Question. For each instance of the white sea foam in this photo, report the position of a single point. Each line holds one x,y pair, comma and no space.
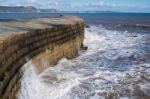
113,67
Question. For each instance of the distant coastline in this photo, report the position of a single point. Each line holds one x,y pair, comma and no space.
22,9
31,9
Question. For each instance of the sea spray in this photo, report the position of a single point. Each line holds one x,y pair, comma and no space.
115,66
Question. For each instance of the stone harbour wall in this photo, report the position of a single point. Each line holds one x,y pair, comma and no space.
58,38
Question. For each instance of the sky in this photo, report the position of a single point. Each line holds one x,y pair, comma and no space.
84,5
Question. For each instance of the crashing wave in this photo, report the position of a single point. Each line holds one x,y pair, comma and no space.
142,26
113,67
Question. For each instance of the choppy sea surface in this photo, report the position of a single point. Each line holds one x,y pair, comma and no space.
115,66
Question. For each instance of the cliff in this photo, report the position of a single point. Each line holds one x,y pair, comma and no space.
18,9
22,9
47,39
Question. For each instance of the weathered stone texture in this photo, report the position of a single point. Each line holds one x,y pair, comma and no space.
43,38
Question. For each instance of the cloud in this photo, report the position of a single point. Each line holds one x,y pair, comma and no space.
32,1
54,5
71,5
98,5
35,3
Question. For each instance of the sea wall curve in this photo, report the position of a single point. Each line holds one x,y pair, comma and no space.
61,37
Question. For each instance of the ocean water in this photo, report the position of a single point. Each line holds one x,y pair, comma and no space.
115,66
